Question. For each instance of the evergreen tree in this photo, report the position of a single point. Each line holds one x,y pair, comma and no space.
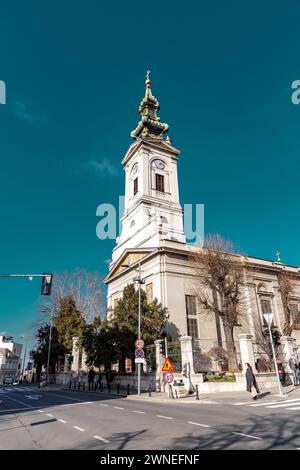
68,321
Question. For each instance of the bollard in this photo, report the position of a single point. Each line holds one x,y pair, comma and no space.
79,384
83,386
118,389
128,389
70,383
74,384
176,394
101,387
108,387
197,393
149,391
171,392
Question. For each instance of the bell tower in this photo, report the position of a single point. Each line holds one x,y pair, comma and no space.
152,208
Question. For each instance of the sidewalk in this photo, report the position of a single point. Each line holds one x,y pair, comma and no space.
204,398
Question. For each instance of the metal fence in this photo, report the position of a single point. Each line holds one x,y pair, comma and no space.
174,354
212,355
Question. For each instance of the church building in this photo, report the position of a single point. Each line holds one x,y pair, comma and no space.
153,241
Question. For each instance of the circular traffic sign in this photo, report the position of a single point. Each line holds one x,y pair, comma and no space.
139,353
169,377
139,344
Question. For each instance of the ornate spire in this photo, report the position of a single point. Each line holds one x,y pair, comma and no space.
150,126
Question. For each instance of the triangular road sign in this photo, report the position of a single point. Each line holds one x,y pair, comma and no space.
168,366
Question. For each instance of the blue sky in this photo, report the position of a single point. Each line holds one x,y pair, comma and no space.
75,72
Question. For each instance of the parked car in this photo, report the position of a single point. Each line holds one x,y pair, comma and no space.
8,380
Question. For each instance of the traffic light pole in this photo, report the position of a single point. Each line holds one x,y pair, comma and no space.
49,348
275,361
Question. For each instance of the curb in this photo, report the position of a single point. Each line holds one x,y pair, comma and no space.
96,393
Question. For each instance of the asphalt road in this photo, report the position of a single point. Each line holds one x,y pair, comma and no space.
32,418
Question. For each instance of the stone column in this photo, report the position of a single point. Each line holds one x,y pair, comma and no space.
159,364
75,354
246,349
66,363
84,367
187,356
287,346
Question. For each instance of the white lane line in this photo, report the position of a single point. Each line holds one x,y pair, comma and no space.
282,405
266,403
241,403
103,404
246,435
118,408
78,428
75,404
62,421
137,411
198,424
18,409
48,414
294,408
41,411
101,439
165,417
18,401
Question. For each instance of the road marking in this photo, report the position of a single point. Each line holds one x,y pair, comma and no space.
118,408
17,409
136,411
41,411
18,401
82,403
48,414
241,403
198,424
165,417
275,402
103,404
62,421
78,428
101,439
246,435
294,408
282,405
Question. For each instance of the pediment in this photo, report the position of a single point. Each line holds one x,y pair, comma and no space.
129,257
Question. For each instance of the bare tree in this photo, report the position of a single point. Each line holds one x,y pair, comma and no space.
84,287
220,280
285,289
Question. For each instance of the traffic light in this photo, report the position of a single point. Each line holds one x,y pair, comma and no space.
162,348
46,284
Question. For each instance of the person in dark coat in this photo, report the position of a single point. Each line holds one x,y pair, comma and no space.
91,377
252,386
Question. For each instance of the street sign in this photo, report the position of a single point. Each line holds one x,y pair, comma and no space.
139,344
139,353
168,366
139,360
169,377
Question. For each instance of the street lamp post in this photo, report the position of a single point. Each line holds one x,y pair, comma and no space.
49,348
269,318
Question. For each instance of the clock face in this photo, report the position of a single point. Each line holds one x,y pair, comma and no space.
159,164
135,168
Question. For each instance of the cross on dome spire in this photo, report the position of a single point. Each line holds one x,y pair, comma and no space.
150,126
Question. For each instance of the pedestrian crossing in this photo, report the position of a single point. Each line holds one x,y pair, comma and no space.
292,404
14,389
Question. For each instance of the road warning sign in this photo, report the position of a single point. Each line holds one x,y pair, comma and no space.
168,366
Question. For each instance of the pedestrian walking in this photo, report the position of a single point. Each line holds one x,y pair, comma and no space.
91,377
293,364
282,374
251,383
